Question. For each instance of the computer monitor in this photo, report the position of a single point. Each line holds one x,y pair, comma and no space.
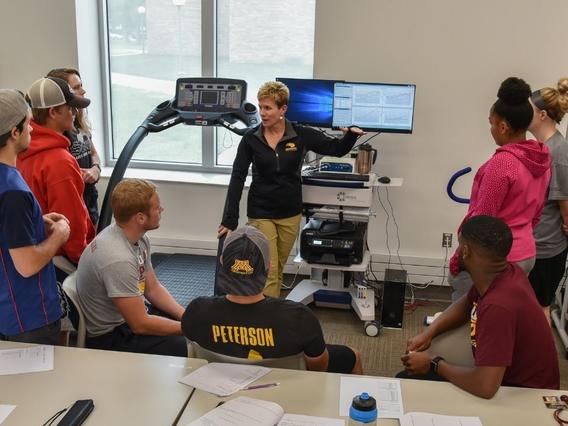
311,101
375,107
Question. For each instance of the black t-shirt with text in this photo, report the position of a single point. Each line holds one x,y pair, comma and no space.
271,328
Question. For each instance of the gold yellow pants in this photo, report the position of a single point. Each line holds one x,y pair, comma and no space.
281,234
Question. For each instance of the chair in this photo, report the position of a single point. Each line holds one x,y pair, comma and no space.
70,289
292,362
61,262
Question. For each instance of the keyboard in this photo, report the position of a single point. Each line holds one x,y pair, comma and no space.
316,174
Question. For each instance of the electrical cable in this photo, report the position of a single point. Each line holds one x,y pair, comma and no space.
54,417
370,268
231,141
444,267
408,281
291,286
411,295
386,226
396,227
557,417
556,414
181,411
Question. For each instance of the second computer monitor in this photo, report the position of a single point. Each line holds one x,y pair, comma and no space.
376,107
311,101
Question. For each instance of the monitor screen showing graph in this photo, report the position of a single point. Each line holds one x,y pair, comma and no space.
375,107
311,101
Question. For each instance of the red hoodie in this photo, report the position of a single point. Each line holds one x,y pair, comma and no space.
54,177
512,186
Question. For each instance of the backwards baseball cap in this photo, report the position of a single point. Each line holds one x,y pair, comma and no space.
13,109
246,258
52,91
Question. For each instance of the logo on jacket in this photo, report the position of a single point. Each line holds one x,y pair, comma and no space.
291,147
242,267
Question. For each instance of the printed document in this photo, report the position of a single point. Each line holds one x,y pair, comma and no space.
386,391
26,360
224,379
242,411
245,411
301,420
427,419
5,411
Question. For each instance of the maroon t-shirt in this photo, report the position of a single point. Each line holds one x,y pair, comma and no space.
508,328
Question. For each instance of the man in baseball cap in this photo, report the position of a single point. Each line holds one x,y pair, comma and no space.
245,262
247,324
51,92
49,168
29,299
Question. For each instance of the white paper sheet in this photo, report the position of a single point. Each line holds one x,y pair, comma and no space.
5,411
385,391
26,360
224,379
300,420
427,419
242,411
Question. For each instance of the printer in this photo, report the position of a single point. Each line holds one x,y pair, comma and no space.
332,242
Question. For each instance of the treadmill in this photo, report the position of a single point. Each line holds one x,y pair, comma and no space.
201,101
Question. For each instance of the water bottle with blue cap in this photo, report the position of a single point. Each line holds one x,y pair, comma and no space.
363,411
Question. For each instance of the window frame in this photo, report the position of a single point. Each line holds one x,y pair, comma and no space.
208,69
209,142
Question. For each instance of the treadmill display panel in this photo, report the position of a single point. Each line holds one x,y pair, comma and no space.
203,96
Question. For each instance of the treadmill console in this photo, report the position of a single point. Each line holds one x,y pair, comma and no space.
208,101
214,95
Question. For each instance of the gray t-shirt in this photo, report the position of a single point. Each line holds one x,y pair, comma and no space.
110,267
548,234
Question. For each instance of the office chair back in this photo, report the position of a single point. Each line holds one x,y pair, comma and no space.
292,362
70,289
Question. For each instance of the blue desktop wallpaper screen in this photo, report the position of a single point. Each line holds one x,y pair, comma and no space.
311,101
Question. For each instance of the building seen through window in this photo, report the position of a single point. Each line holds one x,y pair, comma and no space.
151,43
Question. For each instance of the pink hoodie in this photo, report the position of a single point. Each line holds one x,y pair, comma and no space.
512,185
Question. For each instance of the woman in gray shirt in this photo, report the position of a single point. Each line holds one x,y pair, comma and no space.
550,105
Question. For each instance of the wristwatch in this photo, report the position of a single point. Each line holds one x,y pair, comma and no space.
434,364
97,165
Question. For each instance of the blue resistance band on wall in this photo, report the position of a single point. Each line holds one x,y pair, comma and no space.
451,182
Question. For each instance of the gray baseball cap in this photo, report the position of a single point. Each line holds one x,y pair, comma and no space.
246,260
52,91
13,109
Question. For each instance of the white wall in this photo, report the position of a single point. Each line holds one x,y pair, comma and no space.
456,53
36,36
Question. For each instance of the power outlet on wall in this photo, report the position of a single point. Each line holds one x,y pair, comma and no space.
447,239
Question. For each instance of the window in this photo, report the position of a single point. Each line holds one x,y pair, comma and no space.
153,42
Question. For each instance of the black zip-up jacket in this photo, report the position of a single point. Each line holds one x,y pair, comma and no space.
276,188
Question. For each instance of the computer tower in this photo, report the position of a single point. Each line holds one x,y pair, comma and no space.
394,288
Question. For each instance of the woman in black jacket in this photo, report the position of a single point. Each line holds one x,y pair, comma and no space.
276,149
